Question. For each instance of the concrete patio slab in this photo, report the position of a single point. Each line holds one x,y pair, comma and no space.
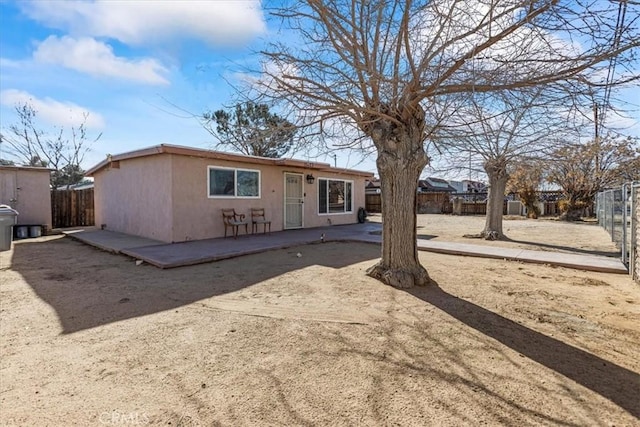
110,241
173,255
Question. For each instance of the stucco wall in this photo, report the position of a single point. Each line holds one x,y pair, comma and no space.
135,198
313,219
197,216
27,191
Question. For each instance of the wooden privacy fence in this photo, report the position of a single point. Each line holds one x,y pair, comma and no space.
441,203
72,208
373,203
432,203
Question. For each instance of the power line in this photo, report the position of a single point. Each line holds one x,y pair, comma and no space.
622,10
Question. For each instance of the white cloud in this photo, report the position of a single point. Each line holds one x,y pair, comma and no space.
9,63
622,123
222,23
54,112
96,58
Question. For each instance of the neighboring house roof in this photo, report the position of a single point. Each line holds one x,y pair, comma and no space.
372,186
78,186
438,182
372,183
435,185
218,155
457,185
475,186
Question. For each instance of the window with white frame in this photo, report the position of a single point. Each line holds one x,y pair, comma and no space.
335,196
228,182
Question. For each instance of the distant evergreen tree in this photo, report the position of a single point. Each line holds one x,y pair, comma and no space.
251,129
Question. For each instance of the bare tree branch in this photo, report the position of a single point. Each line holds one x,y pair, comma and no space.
30,145
396,70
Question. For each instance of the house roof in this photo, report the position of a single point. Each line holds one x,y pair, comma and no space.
219,155
436,185
438,182
78,186
372,183
475,185
25,168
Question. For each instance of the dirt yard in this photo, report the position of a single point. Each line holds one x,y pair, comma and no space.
90,339
542,234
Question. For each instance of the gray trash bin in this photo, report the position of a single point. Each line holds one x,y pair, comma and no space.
8,217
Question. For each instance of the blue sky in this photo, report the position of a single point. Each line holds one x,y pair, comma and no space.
126,63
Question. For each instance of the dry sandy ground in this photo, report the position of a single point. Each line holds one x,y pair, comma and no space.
543,234
89,338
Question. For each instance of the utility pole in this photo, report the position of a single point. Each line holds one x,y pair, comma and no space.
597,139
595,119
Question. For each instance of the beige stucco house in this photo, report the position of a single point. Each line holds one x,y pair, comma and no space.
175,194
27,190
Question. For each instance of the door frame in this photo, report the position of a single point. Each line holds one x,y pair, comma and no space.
284,213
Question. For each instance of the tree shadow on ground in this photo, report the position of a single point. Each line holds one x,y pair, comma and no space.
612,254
418,235
616,383
113,288
425,236
421,370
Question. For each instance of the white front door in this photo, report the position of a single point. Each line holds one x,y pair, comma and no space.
293,201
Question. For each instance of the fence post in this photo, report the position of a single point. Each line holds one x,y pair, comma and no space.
613,215
625,261
599,209
605,210
634,256
628,200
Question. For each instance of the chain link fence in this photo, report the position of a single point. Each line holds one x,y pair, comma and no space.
618,211
634,238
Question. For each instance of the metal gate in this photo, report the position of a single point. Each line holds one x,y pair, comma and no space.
634,235
617,213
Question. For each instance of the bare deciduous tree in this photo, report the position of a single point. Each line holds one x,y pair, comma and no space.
392,69
499,130
582,170
29,144
525,179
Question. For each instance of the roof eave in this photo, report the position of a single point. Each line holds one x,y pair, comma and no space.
31,168
187,151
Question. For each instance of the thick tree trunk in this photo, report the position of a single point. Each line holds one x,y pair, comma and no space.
398,133
573,212
532,210
498,177
399,266
530,199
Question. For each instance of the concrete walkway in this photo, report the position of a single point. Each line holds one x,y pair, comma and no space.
561,259
172,255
